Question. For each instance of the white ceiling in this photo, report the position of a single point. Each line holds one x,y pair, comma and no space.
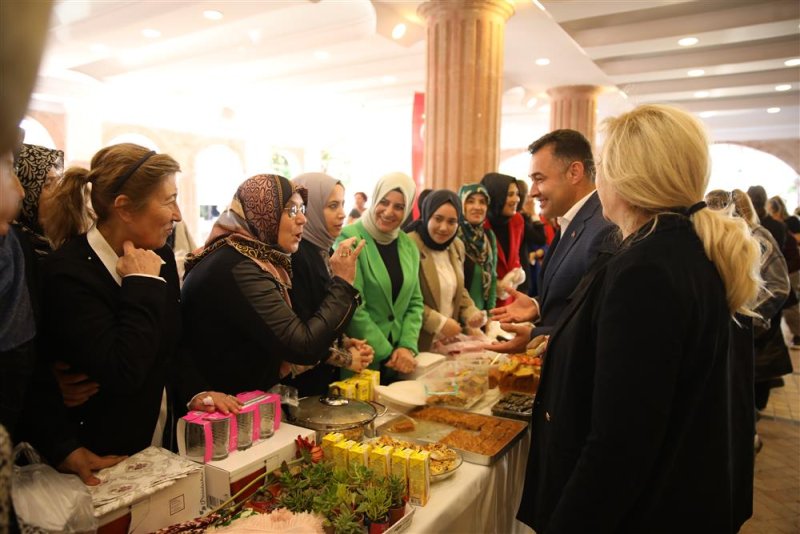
304,61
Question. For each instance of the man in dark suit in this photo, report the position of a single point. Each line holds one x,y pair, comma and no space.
562,171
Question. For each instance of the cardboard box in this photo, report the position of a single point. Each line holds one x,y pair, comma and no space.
182,501
419,475
380,461
358,454
343,388
400,464
374,378
363,388
340,454
226,477
328,442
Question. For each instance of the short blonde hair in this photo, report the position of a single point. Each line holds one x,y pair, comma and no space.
656,159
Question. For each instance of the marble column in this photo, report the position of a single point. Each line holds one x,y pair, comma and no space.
574,107
464,88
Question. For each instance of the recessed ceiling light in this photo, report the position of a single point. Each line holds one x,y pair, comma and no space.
542,61
545,109
322,55
688,41
773,110
212,14
792,62
696,72
701,94
783,87
398,31
388,79
151,33
531,102
98,48
707,114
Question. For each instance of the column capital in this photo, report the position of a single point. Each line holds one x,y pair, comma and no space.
437,8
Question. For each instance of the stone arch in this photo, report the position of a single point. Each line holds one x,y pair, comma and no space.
787,150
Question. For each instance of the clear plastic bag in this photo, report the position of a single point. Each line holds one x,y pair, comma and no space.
46,500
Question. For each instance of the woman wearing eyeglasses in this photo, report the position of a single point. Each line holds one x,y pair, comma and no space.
390,318
240,328
111,298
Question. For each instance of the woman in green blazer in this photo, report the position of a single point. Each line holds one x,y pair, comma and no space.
390,316
448,305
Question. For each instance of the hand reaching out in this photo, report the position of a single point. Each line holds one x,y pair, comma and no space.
521,309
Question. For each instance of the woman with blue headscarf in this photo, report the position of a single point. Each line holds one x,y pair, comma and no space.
480,246
447,304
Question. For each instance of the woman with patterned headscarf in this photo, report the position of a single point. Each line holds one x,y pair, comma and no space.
480,245
390,317
311,277
239,323
38,169
447,302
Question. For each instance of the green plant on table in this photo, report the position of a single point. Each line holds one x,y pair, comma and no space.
361,476
297,500
397,490
325,502
375,503
346,522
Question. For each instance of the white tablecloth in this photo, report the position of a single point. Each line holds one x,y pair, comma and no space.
478,499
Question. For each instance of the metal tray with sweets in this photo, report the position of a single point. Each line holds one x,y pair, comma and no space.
515,405
409,428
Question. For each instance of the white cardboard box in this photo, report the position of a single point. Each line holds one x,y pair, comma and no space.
182,501
225,477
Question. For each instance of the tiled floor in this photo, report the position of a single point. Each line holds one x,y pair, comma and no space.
776,506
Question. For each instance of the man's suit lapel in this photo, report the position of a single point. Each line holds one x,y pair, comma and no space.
568,240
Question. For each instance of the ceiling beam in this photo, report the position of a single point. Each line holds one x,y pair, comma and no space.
766,49
678,20
744,79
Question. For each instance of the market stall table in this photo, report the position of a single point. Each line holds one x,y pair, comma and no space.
478,499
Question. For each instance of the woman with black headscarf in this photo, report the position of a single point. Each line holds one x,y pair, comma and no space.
240,327
509,228
447,304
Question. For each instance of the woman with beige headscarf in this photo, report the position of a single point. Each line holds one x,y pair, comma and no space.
390,316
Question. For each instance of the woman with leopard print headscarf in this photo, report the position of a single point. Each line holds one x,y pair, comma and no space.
239,326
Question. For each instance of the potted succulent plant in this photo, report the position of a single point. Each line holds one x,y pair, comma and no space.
397,493
346,522
325,503
375,506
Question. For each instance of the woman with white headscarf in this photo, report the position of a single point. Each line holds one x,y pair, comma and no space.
390,316
311,277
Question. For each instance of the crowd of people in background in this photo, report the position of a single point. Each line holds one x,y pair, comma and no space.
655,305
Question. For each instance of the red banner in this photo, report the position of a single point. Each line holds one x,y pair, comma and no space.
418,145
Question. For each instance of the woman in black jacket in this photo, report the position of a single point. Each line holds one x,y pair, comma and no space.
311,276
637,424
240,327
111,299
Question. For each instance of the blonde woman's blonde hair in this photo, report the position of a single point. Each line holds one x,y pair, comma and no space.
656,159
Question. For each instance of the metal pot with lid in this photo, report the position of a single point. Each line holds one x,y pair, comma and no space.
353,418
